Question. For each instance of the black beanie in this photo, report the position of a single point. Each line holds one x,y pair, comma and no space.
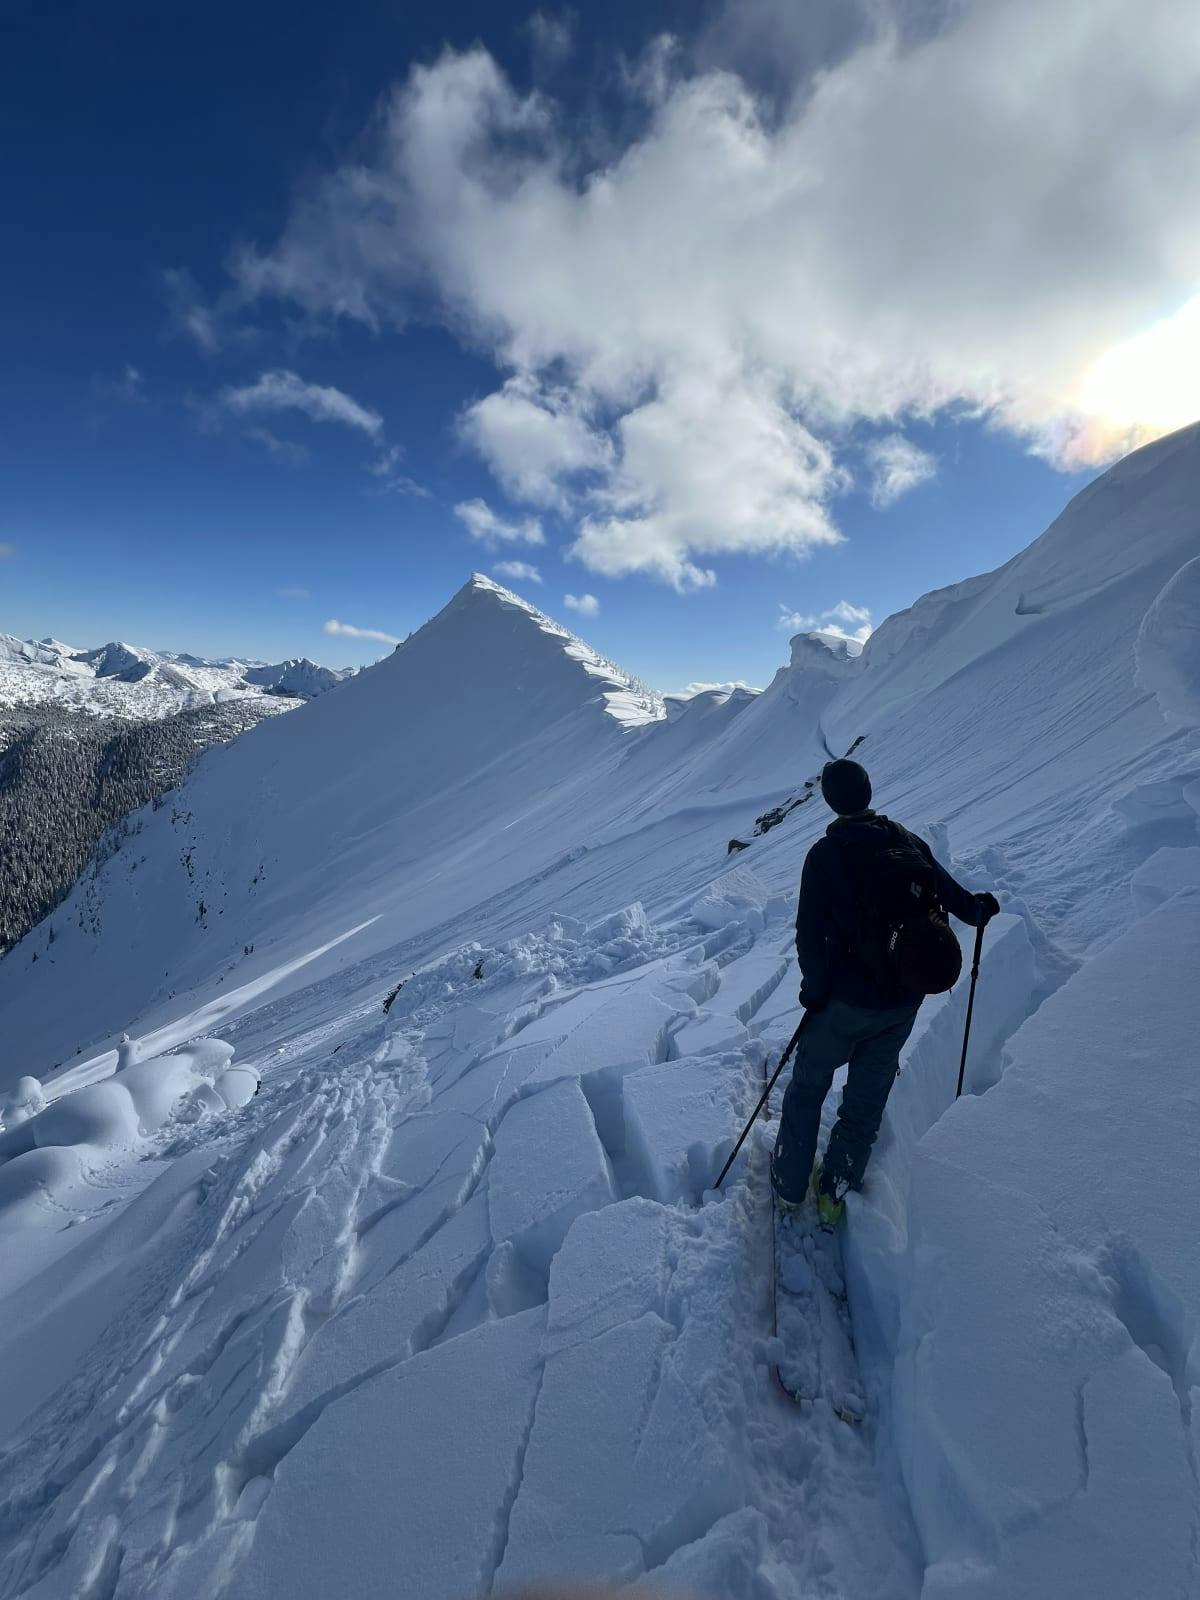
846,787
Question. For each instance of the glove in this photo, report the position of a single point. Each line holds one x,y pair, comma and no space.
988,908
812,1001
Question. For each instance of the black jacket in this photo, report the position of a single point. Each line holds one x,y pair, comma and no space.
828,913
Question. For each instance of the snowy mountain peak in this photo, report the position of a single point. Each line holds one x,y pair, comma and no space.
627,699
126,662
298,677
484,585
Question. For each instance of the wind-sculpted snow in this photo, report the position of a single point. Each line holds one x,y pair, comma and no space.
1168,647
449,1305
1046,1354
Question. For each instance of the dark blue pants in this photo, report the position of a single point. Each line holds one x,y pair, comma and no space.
871,1042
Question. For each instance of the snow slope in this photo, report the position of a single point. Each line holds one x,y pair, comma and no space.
449,1306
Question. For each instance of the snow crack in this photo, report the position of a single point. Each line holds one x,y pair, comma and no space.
503,1523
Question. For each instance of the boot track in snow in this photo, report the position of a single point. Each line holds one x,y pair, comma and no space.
813,1356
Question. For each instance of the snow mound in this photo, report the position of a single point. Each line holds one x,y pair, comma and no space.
43,1147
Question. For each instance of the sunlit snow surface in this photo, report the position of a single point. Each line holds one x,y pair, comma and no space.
120,680
448,1306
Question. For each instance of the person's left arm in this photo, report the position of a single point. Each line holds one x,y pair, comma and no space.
973,909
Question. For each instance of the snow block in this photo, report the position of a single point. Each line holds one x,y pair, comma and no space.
709,1033
598,1035
630,1455
681,1119
614,1267
1166,871
397,1318
748,982
1048,1336
582,1521
549,1168
598,1030
402,1486
736,896
623,1465
877,1268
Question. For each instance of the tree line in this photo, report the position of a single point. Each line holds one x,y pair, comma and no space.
67,777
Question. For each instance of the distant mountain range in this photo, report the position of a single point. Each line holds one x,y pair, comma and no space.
120,679
87,736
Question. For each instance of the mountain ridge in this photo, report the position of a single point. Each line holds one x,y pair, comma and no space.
482,754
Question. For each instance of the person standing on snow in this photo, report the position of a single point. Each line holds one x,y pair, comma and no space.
873,941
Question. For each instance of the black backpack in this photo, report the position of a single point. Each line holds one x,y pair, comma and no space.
902,936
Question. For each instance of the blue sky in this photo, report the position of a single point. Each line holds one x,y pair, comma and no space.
306,318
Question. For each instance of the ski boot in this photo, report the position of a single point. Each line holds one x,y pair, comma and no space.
784,1206
831,1207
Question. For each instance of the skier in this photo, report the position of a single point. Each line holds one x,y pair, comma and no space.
873,941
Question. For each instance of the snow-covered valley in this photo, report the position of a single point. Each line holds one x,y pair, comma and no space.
449,1305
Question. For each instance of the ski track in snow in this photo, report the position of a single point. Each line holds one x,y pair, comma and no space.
338,1234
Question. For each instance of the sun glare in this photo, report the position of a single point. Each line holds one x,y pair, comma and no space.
1150,383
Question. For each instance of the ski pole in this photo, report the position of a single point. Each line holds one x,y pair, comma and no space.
962,1065
766,1094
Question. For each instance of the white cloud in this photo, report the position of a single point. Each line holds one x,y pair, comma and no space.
897,465
691,323
843,621
534,439
347,630
280,449
7,551
518,571
708,473
284,391
293,592
586,604
489,528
